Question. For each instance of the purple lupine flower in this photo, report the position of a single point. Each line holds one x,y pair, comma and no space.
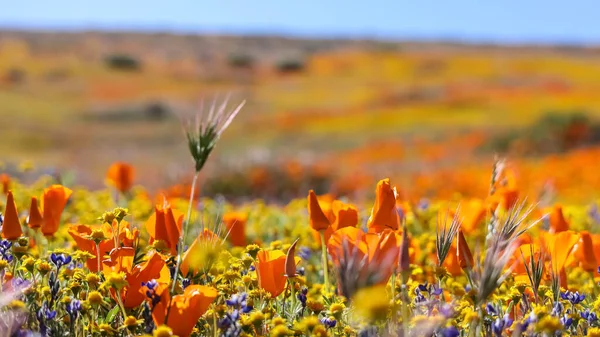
151,292
589,316
423,204
500,324
566,321
449,332
573,297
328,322
301,296
304,253
60,260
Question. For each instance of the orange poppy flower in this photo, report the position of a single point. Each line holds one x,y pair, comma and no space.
121,261
5,179
82,235
583,253
560,246
270,269
384,213
344,215
120,175
54,201
557,220
596,245
318,219
235,222
186,309
471,215
35,219
11,229
165,225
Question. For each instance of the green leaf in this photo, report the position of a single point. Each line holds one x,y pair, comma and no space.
112,314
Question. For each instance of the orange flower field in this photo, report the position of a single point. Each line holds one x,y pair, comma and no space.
504,248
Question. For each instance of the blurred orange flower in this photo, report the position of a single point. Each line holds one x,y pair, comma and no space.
121,175
583,253
557,220
54,201
5,180
11,228
560,246
235,222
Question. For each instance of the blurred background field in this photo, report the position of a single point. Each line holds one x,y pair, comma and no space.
330,114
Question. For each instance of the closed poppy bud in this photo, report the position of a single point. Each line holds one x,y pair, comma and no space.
318,220
11,229
384,213
465,258
5,179
35,217
558,223
55,199
120,175
290,263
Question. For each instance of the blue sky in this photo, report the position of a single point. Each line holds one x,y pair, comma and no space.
484,20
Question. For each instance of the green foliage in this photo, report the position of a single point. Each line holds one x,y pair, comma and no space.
123,62
291,65
554,132
154,112
241,61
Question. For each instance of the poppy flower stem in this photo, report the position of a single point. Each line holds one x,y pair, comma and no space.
394,310
595,289
215,330
324,260
293,295
405,299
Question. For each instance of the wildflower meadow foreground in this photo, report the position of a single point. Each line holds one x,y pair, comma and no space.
121,262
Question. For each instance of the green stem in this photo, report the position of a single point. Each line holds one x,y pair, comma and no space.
189,210
215,331
184,232
120,301
293,294
405,299
394,310
324,261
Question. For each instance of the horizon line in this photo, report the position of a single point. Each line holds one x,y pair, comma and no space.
288,32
